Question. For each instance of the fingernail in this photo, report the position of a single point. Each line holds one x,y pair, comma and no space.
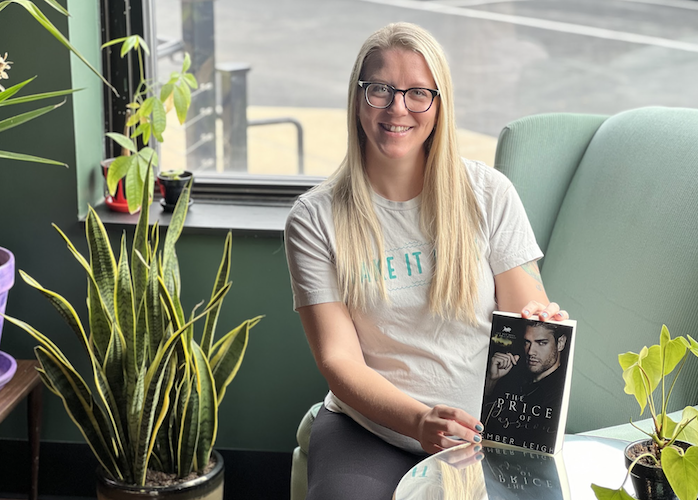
479,456
479,428
477,438
525,312
543,315
477,448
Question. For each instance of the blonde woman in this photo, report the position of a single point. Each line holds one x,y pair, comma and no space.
397,262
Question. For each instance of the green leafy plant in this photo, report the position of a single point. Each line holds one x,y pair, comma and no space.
147,116
647,374
7,95
155,392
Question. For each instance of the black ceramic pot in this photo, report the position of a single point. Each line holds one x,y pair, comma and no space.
171,189
649,482
206,487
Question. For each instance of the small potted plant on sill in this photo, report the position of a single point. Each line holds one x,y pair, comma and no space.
665,465
147,117
151,418
172,183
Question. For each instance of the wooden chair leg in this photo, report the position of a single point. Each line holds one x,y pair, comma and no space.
34,420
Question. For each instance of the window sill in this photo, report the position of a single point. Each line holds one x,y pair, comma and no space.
241,217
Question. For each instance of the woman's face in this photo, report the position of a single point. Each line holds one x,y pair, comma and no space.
395,133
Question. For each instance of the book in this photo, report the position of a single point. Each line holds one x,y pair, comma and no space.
527,382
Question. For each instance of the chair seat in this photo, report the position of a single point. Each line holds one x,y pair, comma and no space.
299,464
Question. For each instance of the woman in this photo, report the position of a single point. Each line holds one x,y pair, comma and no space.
397,262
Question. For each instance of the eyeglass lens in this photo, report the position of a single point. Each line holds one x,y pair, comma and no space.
381,96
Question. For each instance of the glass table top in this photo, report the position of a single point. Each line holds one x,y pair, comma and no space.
509,474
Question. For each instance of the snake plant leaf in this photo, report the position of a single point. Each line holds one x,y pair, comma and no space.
36,97
135,400
226,356
153,314
48,26
35,159
609,494
672,350
116,435
169,304
41,338
158,382
102,261
139,249
681,469
189,430
208,406
113,368
64,308
17,120
169,256
99,319
221,280
125,309
86,415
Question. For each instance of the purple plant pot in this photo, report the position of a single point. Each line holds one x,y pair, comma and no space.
8,367
7,279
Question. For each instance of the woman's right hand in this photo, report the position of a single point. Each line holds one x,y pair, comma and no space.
443,427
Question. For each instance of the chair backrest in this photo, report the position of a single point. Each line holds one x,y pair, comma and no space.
614,204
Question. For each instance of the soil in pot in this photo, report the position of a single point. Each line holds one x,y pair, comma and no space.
649,480
207,485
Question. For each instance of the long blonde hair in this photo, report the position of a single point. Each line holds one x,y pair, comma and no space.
450,216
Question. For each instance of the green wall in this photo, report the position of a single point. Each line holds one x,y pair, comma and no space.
278,380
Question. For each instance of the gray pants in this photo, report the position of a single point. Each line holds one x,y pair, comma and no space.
347,462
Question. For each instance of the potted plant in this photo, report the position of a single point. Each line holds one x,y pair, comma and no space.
147,116
665,465
172,183
152,416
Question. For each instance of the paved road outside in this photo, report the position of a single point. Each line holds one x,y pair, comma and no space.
508,58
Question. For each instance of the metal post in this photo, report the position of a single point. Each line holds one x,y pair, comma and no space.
198,36
233,98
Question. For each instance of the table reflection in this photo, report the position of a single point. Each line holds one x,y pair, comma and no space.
501,473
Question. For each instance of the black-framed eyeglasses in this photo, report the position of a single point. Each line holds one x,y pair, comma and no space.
382,95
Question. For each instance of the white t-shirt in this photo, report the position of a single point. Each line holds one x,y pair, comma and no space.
433,360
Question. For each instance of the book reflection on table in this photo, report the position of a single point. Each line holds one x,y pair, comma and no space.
522,475
503,473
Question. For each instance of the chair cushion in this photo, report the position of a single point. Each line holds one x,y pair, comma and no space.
303,433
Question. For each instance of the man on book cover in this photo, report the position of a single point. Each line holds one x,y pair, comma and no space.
525,383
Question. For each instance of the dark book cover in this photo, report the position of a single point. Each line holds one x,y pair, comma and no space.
527,382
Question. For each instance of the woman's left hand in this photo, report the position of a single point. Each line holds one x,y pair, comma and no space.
550,312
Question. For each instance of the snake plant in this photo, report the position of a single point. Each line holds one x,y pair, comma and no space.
154,390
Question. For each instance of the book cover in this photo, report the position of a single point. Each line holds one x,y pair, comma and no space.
527,382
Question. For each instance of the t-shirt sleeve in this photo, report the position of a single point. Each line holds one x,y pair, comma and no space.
512,242
310,258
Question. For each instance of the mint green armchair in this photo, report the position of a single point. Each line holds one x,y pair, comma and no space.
614,205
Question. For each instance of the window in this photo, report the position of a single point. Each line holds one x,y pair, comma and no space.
273,69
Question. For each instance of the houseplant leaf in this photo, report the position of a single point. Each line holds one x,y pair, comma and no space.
221,280
22,157
681,469
16,120
117,170
672,351
36,97
609,494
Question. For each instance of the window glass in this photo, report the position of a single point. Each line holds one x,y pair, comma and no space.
291,60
